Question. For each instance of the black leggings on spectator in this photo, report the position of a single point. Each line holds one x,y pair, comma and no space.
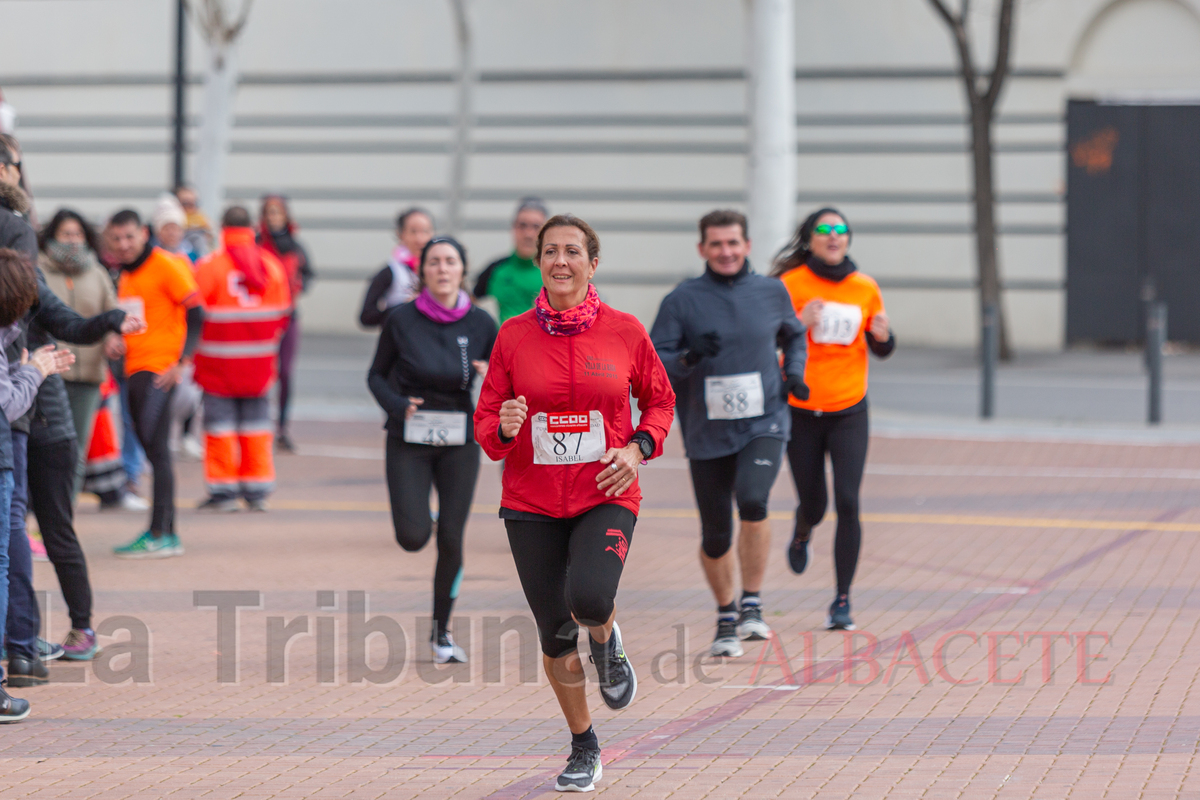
844,437
150,408
747,475
412,469
570,569
51,498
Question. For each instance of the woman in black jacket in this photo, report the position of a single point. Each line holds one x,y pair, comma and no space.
429,351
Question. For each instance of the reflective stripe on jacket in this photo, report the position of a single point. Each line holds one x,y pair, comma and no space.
240,339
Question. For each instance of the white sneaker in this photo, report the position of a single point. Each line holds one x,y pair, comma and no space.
131,502
445,651
190,449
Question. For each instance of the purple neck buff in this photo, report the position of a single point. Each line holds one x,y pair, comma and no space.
437,312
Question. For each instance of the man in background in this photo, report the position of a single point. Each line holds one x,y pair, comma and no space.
515,280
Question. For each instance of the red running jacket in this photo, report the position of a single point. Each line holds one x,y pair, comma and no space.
591,371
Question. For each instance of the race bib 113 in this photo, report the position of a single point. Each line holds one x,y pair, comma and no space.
839,324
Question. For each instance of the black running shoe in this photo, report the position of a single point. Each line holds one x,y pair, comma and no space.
582,772
839,615
25,672
12,709
800,550
725,643
618,683
751,626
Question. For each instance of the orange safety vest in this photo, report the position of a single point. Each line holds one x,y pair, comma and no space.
240,339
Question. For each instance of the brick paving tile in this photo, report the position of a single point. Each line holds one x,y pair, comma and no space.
1062,549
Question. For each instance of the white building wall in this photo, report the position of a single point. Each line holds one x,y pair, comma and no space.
629,113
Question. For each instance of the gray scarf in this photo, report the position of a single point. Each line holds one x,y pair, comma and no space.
72,258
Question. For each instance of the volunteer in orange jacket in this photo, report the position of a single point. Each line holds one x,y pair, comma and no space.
158,287
843,312
247,306
555,406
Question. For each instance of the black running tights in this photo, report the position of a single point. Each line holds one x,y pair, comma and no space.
570,569
844,438
412,469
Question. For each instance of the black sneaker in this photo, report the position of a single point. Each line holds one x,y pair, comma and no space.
618,683
12,709
582,772
800,550
750,625
284,443
221,504
726,643
49,651
23,672
839,615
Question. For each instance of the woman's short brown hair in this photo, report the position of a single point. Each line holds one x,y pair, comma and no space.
571,221
18,286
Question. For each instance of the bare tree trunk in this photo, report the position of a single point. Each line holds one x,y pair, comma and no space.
220,31
220,86
987,248
462,132
981,102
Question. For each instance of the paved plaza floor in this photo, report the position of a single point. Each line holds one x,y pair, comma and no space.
1029,615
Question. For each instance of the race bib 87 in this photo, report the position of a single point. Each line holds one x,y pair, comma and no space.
839,324
567,437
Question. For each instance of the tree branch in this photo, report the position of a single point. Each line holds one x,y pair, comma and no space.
1003,53
963,44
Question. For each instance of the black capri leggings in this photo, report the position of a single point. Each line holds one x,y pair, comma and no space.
411,470
150,408
569,569
845,438
747,475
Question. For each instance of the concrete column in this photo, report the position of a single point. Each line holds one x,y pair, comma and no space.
771,173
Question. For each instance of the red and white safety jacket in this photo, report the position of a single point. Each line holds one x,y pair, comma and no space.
239,343
569,383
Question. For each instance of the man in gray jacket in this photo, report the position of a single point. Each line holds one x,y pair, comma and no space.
719,336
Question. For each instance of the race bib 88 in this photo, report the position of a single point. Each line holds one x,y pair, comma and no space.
734,396
568,437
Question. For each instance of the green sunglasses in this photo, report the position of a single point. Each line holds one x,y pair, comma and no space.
825,229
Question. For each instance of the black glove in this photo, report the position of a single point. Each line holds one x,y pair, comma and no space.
708,345
797,388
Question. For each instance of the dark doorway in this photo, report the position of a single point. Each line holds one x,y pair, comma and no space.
1133,219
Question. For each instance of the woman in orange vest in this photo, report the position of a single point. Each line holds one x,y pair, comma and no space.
843,312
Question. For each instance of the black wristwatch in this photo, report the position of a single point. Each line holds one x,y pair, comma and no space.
645,442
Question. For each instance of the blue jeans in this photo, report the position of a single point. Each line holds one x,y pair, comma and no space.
24,616
6,489
132,455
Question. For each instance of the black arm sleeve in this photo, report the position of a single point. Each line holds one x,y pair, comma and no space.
481,283
195,323
881,349
60,321
306,271
371,316
386,354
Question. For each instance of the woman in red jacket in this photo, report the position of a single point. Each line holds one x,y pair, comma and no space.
559,416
